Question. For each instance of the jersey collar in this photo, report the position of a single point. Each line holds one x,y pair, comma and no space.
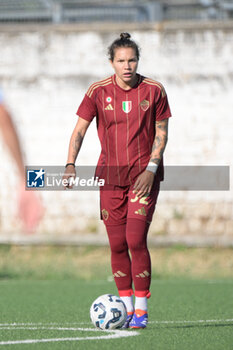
134,87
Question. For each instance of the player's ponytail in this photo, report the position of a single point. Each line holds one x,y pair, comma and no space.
123,41
125,36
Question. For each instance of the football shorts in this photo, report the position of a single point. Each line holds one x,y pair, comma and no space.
117,203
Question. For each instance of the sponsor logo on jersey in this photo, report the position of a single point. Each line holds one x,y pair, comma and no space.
145,105
109,107
105,214
108,99
127,106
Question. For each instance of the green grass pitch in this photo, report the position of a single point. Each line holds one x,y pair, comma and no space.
183,314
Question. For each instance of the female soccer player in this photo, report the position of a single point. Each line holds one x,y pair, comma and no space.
132,114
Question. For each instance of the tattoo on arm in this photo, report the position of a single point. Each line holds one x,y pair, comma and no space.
160,141
162,125
77,143
157,143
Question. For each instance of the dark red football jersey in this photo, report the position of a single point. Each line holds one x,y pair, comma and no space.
126,126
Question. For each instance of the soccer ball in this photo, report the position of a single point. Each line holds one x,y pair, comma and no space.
108,312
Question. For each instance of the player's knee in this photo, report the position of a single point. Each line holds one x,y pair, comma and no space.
136,234
136,243
118,247
117,238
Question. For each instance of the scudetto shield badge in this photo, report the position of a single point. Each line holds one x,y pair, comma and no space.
127,106
145,105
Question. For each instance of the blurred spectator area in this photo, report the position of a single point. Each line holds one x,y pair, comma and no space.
82,11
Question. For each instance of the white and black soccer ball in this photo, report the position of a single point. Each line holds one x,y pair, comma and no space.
108,312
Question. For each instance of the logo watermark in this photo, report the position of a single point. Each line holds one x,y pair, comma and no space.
51,178
90,178
35,178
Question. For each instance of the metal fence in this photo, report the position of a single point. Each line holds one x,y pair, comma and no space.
58,11
71,11
197,9
25,10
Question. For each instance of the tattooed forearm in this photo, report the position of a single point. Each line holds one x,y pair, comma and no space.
76,139
157,143
160,141
76,144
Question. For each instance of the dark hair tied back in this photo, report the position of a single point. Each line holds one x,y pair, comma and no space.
125,36
123,41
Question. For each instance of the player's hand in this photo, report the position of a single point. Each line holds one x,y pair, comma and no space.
70,173
30,209
144,183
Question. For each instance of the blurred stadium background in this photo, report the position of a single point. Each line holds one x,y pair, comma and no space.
60,11
52,50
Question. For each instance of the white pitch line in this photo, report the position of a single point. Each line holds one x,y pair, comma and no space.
116,334
111,334
52,325
34,328
44,324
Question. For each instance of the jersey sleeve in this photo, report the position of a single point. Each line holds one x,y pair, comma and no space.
87,109
162,106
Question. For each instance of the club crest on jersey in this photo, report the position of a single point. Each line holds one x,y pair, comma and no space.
105,214
145,105
127,106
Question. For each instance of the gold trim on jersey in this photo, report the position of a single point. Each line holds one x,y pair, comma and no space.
155,83
138,138
98,84
116,132
127,141
106,129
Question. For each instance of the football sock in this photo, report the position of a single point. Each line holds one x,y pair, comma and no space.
120,260
136,235
140,304
129,304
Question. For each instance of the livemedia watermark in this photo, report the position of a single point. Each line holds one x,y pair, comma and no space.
90,178
50,178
